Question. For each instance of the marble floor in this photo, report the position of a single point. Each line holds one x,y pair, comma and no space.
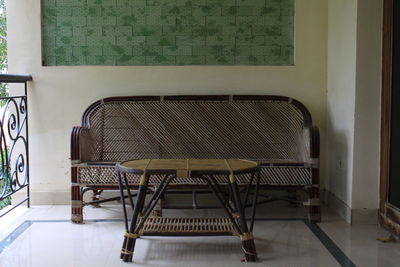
43,236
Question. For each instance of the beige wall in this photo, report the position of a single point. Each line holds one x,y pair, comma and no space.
367,108
353,107
59,95
341,83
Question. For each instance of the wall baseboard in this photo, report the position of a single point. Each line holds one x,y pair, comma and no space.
351,216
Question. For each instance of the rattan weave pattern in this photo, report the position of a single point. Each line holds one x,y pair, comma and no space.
278,175
188,225
275,131
194,129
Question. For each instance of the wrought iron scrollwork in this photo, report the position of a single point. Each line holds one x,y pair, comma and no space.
14,143
14,146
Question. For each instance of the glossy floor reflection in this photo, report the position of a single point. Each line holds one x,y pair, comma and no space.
42,236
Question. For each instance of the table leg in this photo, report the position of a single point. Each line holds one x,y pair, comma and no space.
254,206
131,236
121,190
248,245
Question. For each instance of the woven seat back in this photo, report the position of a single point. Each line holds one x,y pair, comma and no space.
124,128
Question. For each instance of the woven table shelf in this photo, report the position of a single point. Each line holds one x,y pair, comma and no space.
188,226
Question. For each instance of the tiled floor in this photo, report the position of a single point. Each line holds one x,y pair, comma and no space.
42,236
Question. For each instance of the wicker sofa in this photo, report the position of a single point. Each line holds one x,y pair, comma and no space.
276,131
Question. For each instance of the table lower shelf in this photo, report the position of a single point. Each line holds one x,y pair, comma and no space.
165,226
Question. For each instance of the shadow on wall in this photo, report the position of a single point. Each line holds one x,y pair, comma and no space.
338,182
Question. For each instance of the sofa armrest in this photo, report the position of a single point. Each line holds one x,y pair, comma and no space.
311,145
81,145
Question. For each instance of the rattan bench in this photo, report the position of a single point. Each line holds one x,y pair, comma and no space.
275,131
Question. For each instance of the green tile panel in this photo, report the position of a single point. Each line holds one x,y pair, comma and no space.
167,32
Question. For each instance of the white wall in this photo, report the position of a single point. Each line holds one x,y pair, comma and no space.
341,83
59,95
353,106
367,109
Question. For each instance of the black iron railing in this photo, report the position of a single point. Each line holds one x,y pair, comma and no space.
14,142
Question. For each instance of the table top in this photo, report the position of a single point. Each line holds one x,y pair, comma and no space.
187,167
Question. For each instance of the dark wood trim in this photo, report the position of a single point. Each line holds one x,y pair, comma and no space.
386,101
12,78
389,216
196,98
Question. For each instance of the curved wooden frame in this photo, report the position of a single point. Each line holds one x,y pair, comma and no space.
306,113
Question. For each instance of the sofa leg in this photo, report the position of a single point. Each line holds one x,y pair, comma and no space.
76,205
314,205
96,196
314,215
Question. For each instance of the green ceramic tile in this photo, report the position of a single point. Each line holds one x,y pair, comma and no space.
131,60
87,31
255,3
167,32
49,61
246,39
131,20
131,40
161,3
160,40
80,51
177,50
117,30
68,21
101,2
177,30
216,50
220,3
266,50
101,21
116,11
190,20
206,11
101,60
100,40
221,20
48,3
190,60
146,50
249,60
190,40
176,11
207,31
134,3
147,30
160,20
220,60
268,31
70,2
86,11
54,11
160,60
220,40
117,50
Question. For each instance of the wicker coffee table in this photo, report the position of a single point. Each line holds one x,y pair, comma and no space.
205,170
